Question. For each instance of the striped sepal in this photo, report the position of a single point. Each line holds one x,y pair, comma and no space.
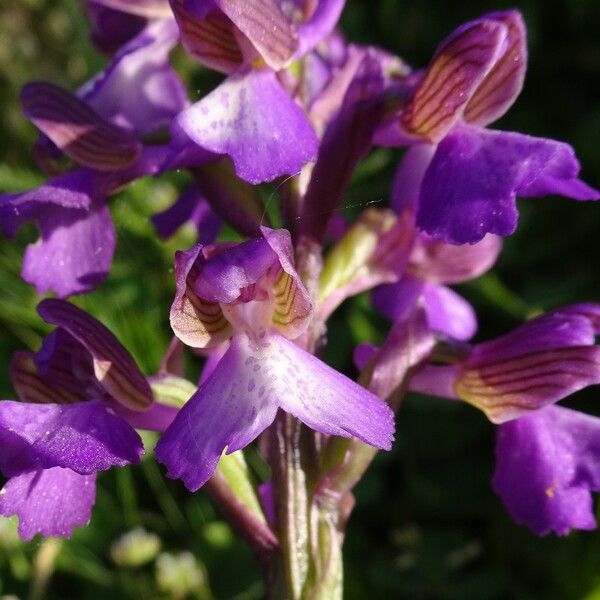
455,72
151,9
292,308
77,129
439,262
508,389
265,25
114,367
211,40
587,310
195,322
30,387
504,82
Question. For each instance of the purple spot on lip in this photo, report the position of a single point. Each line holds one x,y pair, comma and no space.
261,391
256,368
251,385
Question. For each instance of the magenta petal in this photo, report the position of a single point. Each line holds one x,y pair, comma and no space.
460,206
439,262
110,28
207,34
346,141
293,308
497,92
363,354
547,464
455,72
449,313
114,367
326,400
320,24
409,176
224,276
230,409
242,395
265,25
538,364
139,89
63,367
195,322
77,129
71,190
144,8
394,300
50,502
84,437
436,381
74,252
562,328
252,119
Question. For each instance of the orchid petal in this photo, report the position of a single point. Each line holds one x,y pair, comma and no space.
394,300
320,24
77,129
211,39
566,327
84,437
324,399
114,367
407,345
409,176
139,90
225,275
252,119
438,262
497,92
232,407
143,8
74,252
508,389
456,70
449,312
241,397
71,190
196,322
30,387
460,206
51,501
293,307
111,29
347,139
235,201
547,464
265,25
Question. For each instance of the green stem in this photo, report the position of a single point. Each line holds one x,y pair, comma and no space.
291,503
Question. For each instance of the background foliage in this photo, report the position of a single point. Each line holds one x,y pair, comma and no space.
427,524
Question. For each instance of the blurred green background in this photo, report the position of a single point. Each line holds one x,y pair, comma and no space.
427,524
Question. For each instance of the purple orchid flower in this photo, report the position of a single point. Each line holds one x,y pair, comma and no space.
547,456
473,78
81,395
74,252
430,267
547,465
110,29
250,294
99,129
251,117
